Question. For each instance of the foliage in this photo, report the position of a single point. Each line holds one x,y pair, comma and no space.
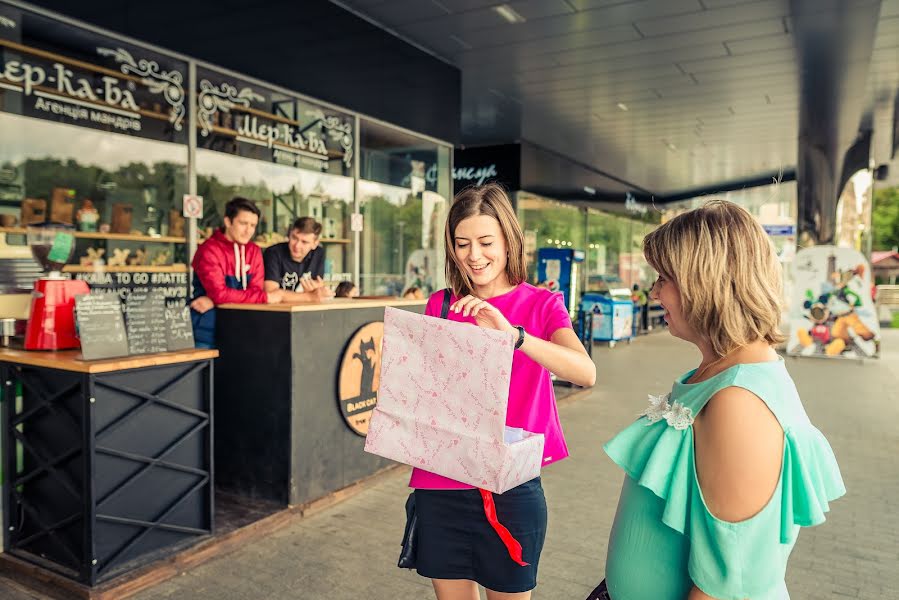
885,218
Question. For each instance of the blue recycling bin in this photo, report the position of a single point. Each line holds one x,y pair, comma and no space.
612,318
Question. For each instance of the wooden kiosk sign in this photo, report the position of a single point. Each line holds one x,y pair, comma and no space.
359,376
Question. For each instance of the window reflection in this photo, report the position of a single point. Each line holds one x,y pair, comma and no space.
282,194
548,224
403,195
402,242
63,173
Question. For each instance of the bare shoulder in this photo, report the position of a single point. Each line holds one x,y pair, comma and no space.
739,451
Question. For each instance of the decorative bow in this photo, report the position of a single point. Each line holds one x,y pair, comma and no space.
677,415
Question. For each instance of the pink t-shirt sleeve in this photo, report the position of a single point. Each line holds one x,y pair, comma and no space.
556,316
435,303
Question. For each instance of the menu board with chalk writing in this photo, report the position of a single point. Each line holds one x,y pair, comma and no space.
145,321
179,329
101,326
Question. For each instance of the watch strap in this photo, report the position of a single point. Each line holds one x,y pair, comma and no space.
520,336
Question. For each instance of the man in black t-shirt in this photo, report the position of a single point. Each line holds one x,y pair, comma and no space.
297,265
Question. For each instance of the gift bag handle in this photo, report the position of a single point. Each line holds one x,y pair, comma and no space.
446,304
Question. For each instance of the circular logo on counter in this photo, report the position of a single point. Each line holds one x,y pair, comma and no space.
359,376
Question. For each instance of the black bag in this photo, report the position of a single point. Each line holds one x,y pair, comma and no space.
600,593
410,534
407,554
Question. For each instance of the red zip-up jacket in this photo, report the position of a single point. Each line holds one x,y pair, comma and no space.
229,272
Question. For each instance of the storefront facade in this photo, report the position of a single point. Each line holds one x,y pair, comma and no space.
109,135
136,150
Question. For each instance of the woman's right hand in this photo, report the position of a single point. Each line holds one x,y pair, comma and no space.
484,313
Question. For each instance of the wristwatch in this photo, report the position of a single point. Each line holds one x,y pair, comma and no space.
520,336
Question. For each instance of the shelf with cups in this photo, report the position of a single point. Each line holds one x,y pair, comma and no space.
124,237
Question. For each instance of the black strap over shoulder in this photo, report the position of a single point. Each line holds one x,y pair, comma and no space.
446,304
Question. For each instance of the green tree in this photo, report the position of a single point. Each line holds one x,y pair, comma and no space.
885,218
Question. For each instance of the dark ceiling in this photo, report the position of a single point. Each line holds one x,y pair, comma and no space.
669,95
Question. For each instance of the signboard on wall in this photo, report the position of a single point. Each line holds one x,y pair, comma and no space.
832,313
251,120
477,166
172,286
359,376
59,72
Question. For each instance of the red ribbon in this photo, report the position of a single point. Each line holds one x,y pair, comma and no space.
510,542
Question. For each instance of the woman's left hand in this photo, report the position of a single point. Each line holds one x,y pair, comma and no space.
484,313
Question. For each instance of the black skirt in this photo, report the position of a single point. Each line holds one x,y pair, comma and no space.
455,540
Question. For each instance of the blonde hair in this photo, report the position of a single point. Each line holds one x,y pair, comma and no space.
726,270
491,200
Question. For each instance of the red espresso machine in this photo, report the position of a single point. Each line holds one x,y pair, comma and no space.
51,320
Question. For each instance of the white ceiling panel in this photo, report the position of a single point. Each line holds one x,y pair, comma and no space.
495,56
465,5
777,41
710,19
406,11
541,9
568,24
729,62
608,54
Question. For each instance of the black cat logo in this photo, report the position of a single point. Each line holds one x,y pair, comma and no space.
366,356
290,281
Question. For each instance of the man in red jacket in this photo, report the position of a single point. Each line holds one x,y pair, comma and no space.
228,269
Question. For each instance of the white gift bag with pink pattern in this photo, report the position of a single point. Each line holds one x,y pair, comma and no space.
442,401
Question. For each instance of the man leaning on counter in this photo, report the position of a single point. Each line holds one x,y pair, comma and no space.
295,267
228,268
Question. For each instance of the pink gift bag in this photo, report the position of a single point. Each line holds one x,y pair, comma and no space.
442,400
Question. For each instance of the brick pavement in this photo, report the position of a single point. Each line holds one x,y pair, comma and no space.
349,551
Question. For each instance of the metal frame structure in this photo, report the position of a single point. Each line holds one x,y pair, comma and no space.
84,495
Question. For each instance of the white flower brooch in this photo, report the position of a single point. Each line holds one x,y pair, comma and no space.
677,415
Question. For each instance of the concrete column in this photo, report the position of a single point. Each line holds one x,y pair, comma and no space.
834,41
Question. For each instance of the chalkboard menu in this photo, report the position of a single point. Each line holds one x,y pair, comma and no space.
100,326
145,320
179,331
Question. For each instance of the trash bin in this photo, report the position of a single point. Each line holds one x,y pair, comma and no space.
612,318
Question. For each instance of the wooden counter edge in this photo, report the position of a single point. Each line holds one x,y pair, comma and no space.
337,304
70,360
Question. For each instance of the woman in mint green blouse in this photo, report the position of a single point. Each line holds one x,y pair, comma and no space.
722,471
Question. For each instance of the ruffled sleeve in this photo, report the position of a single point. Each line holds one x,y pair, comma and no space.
731,560
659,458
810,480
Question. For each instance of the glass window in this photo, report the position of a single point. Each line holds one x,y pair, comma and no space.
293,158
615,252
282,193
244,118
548,224
92,135
120,192
403,194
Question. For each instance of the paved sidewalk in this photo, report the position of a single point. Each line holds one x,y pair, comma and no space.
349,550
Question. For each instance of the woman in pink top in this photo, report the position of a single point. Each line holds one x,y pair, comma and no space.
463,538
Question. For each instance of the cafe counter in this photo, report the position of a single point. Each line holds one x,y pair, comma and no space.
108,462
295,386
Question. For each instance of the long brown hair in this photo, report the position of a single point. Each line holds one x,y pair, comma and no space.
490,200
